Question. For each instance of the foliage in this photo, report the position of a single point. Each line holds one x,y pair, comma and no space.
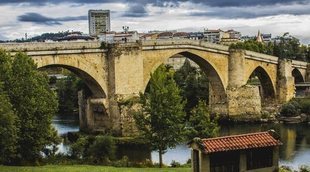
290,109
285,169
253,45
34,104
161,116
194,85
78,149
175,164
305,105
200,123
8,130
99,149
304,168
103,148
285,47
67,91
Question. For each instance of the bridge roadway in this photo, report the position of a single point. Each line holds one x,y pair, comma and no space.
117,73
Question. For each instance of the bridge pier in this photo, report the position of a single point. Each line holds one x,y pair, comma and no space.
95,114
241,98
285,81
307,79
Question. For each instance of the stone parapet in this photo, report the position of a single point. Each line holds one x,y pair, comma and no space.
43,46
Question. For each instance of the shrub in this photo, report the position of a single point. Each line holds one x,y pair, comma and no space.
77,150
103,148
175,164
305,106
285,169
290,109
304,168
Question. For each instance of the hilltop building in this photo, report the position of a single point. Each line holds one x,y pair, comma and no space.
99,22
222,37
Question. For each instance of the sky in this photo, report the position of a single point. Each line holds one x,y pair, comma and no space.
247,16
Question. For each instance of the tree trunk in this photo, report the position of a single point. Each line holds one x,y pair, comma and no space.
160,158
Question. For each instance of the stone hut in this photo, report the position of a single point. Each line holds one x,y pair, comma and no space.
253,152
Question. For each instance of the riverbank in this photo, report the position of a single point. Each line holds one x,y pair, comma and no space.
82,168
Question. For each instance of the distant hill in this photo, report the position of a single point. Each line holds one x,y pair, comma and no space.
46,36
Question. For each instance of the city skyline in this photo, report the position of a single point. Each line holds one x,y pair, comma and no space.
276,17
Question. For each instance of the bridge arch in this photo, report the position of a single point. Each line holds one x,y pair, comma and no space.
89,67
267,90
298,77
89,80
217,91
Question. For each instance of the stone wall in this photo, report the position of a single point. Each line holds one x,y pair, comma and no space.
244,100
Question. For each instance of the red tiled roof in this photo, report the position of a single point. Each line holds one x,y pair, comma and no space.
238,142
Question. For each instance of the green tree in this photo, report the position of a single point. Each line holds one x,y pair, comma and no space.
34,104
8,130
161,116
200,123
194,85
67,91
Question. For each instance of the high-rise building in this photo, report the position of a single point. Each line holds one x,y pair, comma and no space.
99,22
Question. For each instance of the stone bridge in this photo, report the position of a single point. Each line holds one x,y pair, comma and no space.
116,73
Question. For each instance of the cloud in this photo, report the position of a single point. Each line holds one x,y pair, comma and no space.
40,19
2,37
212,3
253,12
135,10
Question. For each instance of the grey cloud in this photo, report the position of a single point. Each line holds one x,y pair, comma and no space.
212,3
136,10
40,19
2,37
253,12
220,8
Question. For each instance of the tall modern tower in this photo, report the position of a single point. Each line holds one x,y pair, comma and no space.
99,21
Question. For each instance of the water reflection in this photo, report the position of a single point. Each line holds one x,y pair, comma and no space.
295,150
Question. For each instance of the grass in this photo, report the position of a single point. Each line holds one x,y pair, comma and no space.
87,168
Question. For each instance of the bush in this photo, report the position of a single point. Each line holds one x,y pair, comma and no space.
290,109
103,149
285,169
78,149
304,168
175,164
305,106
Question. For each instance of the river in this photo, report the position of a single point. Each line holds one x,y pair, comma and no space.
294,152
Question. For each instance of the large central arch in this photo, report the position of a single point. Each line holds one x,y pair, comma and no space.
217,93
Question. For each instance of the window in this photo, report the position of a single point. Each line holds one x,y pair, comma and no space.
225,161
259,158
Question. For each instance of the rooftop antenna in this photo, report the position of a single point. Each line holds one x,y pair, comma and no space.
125,28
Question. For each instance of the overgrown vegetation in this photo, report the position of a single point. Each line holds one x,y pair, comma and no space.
296,107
